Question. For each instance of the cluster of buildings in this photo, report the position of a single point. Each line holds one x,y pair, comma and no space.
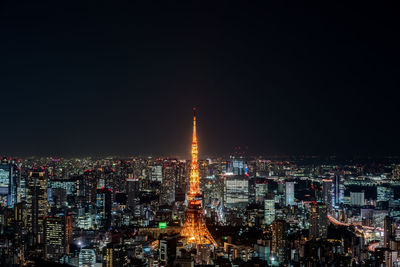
130,212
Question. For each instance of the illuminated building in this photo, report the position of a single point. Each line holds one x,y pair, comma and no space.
269,210
156,173
337,190
54,236
279,235
115,256
167,195
68,230
237,166
37,205
289,192
318,221
236,191
387,231
384,193
103,206
357,198
261,190
87,257
327,193
8,184
133,189
195,229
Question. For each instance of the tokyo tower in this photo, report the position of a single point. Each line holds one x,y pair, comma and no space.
195,229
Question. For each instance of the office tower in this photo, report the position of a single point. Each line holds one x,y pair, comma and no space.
327,193
37,205
156,173
115,256
103,207
279,235
167,194
269,210
337,190
387,231
384,193
261,190
236,191
237,166
289,192
8,183
318,221
68,229
54,237
132,190
87,257
357,198
195,229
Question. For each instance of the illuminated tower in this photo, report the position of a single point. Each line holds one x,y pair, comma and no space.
195,229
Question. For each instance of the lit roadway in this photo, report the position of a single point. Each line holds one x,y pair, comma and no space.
357,227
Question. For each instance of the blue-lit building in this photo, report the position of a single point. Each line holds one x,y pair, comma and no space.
8,184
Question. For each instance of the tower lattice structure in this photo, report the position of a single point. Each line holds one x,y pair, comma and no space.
195,229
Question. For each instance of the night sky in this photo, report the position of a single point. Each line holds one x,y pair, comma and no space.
97,78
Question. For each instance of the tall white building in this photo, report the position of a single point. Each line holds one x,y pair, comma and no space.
156,173
87,257
357,198
236,191
269,210
289,193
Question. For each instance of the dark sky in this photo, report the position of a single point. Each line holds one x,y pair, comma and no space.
98,78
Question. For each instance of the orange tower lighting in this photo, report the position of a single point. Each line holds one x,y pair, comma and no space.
195,229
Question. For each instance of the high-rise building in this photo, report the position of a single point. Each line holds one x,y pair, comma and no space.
37,205
289,193
132,190
337,190
68,230
269,210
237,166
156,173
261,190
115,256
87,257
54,237
357,198
103,206
236,191
318,221
8,183
384,193
279,236
327,193
387,231
167,194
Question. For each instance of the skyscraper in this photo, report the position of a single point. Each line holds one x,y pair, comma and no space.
337,190
54,237
195,229
289,192
103,206
387,231
236,191
279,236
87,257
37,205
327,193
318,221
269,210
8,183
